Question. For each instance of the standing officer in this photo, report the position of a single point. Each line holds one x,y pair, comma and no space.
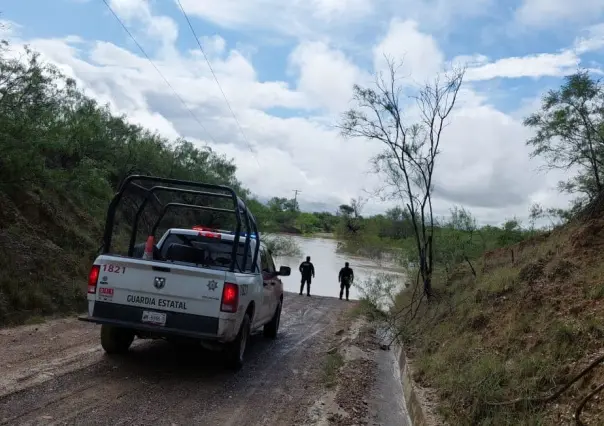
345,277
307,270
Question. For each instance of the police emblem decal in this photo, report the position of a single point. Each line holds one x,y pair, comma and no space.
159,283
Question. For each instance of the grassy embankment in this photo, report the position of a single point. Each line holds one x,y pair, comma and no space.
526,325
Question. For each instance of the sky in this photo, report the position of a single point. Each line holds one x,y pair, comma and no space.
288,68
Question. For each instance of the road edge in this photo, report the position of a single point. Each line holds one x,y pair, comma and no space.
418,408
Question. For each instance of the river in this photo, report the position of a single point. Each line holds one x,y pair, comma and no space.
328,262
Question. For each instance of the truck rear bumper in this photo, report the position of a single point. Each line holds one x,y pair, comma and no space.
177,324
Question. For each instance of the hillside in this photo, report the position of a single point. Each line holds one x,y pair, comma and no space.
62,157
528,324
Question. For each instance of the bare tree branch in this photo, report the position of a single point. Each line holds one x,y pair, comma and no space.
408,160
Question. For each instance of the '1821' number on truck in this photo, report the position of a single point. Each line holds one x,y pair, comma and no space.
116,269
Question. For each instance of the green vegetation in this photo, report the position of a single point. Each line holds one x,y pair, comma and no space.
509,330
62,156
334,361
282,246
283,215
495,318
523,327
570,136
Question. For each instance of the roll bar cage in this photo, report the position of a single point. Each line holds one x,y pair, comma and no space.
242,214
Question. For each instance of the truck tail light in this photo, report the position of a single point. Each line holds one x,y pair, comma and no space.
93,277
230,298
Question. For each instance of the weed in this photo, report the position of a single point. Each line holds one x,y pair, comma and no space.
596,292
333,363
364,308
35,319
499,282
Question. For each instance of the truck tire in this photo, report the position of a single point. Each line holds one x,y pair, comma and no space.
115,340
235,350
271,328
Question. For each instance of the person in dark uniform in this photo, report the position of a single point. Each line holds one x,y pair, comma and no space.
345,277
307,270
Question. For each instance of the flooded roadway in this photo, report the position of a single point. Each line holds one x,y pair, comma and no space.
328,262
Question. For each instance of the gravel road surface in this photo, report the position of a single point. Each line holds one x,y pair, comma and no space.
56,373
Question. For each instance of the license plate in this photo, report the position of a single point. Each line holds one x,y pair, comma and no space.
158,318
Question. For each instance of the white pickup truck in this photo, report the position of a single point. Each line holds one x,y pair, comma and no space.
187,286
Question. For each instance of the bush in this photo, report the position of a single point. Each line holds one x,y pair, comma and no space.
280,245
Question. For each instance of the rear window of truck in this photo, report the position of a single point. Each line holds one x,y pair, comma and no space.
203,251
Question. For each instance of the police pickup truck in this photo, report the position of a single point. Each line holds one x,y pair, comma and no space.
211,286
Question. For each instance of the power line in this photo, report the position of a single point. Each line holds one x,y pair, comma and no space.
216,79
158,71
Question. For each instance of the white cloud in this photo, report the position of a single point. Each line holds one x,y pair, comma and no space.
419,52
537,65
594,40
161,28
296,18
542,13
484,163
213,45
326,76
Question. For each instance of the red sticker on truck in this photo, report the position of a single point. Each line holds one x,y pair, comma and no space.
105,292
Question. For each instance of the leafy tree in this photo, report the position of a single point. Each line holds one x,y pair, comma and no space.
62,156
512,232
462,243
555,216
351,215
570,133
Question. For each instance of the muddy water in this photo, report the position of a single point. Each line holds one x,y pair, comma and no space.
328,263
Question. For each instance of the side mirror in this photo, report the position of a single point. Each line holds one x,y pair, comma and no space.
285,271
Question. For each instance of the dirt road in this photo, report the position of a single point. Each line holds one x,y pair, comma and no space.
56,373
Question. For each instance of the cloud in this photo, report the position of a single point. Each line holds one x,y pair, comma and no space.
213,45
296,18
419,52
543,13
161,28
326,76
593,41
539,65
565,62
484,162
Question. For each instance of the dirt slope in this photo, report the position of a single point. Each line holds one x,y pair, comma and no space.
527,325
46,247
58,375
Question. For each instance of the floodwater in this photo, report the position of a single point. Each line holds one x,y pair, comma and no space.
328,262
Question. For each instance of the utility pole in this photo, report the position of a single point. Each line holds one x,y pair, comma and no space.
296,198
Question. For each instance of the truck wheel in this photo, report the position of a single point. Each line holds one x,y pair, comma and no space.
115,340
272,327
235,350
